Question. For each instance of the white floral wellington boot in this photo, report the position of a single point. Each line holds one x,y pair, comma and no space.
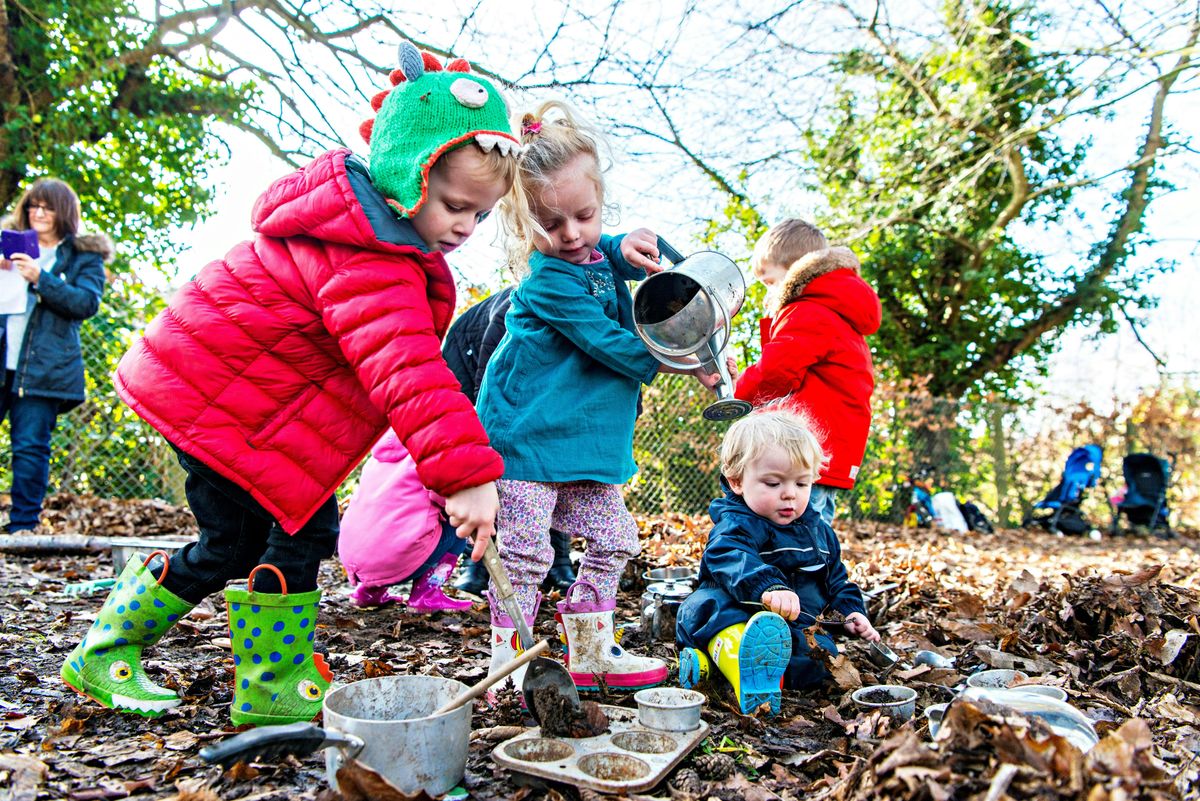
593,655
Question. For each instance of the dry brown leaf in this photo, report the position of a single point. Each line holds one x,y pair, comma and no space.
357,782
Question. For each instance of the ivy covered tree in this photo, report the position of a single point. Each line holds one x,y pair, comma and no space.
939,158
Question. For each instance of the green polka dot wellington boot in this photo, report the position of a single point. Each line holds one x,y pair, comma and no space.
107,665
277,677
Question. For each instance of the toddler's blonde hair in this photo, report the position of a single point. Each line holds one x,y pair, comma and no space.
552,135
774,424
786,242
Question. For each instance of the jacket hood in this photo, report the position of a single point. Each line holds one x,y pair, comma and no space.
332,199
96,243
87,243
831,277
729,502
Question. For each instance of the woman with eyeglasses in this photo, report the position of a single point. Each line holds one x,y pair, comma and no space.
43,375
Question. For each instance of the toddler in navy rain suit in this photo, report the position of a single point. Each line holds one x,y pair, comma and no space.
768,550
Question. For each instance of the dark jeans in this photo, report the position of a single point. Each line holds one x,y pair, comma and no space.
31,422
448,542
237,533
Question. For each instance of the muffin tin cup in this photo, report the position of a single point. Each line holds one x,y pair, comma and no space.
629,758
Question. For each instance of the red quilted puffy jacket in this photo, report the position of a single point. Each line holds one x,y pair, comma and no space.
280,365
814,352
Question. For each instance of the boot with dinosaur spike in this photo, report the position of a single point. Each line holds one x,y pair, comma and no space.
277,677
107,665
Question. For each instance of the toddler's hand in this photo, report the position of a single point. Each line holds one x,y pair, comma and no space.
857,623
473,513
784,603
640,248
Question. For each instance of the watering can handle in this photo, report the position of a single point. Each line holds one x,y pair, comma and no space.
673,255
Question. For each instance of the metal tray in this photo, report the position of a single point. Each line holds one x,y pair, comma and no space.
629,758
124,548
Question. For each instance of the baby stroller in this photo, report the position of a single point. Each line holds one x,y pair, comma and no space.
1144,502
1059,510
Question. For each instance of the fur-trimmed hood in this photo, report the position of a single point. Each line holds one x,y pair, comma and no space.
96,243
831,277
88,243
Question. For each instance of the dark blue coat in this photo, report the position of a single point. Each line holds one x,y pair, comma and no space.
51,360
747,555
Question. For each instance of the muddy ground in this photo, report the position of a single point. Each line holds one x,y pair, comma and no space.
1113,622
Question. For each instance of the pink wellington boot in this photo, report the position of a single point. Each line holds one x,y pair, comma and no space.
427,595
365,595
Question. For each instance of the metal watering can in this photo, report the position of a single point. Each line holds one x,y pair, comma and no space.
687,311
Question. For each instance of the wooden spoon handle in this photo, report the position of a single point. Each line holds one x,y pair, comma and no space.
478,689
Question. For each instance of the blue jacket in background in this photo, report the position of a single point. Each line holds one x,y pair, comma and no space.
559,396
51,360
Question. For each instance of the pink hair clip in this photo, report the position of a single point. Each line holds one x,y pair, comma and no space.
531,127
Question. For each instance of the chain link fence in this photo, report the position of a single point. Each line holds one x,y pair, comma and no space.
1001,456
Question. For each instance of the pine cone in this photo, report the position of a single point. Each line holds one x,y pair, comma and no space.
687,783
715,767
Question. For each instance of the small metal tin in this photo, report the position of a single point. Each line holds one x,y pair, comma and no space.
669,708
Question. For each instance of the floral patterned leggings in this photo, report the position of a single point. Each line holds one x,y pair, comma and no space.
588,509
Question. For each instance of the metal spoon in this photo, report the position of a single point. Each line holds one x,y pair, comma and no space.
542,672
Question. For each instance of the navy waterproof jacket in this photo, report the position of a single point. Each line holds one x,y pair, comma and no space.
51,361
747,555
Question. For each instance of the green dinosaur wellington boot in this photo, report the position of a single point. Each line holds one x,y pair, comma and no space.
277,677
107,665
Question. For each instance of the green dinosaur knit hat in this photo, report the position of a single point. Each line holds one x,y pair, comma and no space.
429,112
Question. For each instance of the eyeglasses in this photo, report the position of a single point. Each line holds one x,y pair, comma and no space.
42,207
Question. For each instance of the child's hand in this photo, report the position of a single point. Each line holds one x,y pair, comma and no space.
857,623
473,513
784,603
640,248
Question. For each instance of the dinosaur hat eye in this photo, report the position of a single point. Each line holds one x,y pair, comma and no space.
120,671
309,690
469,93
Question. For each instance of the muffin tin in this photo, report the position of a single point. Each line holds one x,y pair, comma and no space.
628,758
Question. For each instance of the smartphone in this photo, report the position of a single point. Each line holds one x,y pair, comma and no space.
14,242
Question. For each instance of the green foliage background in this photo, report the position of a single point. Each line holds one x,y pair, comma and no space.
96,102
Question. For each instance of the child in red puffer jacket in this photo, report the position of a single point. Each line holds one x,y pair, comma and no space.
819,312
274,371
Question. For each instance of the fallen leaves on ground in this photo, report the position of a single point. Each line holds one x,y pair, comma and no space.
1114,623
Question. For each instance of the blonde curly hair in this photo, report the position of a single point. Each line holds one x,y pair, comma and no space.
551,136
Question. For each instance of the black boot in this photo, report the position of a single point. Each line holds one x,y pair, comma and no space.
562,572
473,577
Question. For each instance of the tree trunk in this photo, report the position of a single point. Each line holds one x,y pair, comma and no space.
1000,465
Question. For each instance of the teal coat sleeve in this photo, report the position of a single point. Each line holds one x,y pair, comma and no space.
560,296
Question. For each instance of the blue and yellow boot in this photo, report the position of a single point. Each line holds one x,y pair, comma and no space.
753,656
277,677
107,665
694,667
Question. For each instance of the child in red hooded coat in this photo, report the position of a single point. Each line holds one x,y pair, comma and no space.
814,350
